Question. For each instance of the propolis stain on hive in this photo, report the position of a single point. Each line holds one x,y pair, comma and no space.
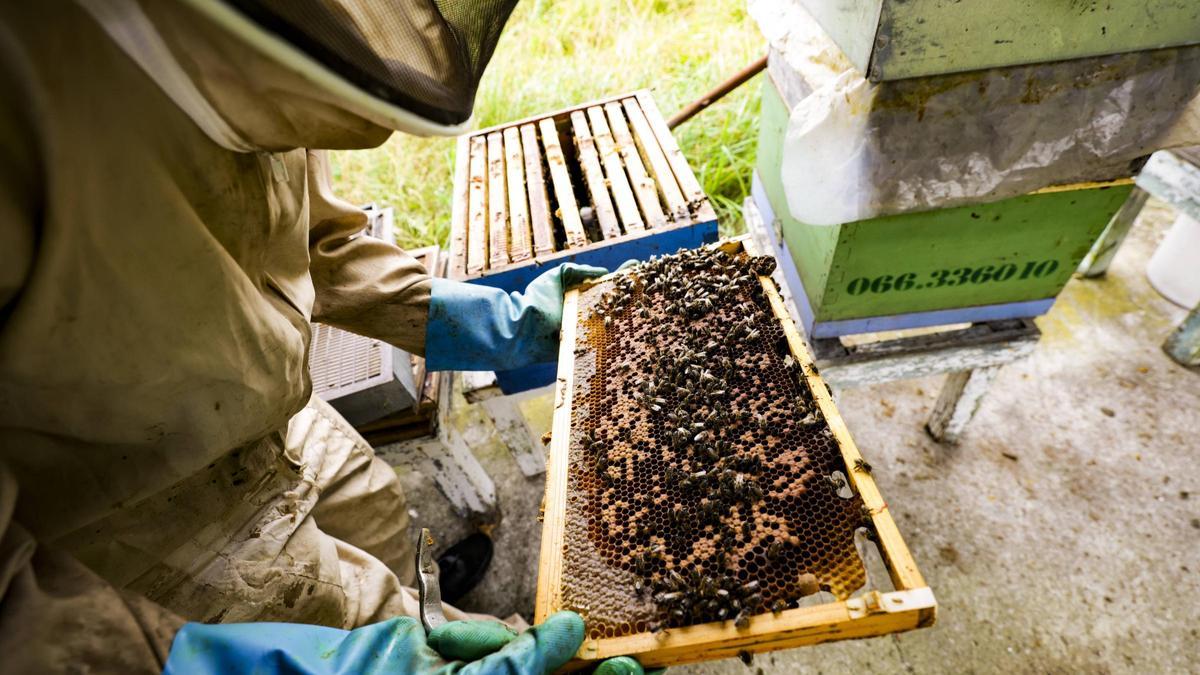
700,484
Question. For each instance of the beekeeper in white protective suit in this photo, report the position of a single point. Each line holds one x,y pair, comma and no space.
165,240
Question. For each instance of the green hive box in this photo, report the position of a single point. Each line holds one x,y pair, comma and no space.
895,39
1014,250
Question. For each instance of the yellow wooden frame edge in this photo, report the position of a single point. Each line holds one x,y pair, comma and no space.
1089,185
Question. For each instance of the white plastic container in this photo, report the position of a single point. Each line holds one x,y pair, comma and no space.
1174,269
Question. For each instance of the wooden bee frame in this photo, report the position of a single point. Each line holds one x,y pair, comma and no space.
521,190
911,605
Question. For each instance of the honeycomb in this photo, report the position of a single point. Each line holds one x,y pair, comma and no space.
701,484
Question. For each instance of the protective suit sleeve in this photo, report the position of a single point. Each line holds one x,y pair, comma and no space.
58,616
475,327
362,284
398,645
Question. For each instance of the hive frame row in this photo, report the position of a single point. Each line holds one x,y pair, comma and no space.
632,170
872,613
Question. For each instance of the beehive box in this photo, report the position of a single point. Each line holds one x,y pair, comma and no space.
1012,256
599,184
896,39
700,481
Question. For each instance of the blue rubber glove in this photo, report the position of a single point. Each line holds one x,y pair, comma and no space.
474,327
397,645
624,665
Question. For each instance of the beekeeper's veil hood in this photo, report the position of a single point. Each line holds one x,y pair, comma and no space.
408,65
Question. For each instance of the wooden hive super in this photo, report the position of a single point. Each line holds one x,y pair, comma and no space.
598,184
678,548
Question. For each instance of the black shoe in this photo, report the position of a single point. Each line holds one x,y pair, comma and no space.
462,566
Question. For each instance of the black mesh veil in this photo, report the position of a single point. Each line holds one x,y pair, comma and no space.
425,56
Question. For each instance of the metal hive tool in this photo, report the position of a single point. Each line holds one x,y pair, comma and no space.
703,485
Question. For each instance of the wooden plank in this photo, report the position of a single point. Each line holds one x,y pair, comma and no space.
497,202
1096,262
872,615
831,351
593,175
643,185
519,245
554,503
477,227
982,345
693,193
1084,185
656,162
900,366
912,605
1183,344
568,210
478,385
513,430
1173,179
560,113
447,459
539,202
458,208
614,171
960,397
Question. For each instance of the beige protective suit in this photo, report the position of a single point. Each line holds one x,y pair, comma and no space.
155,298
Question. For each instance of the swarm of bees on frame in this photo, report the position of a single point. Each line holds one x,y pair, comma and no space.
708,466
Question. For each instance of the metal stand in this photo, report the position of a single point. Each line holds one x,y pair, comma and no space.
1174,177
1183,345
1096,262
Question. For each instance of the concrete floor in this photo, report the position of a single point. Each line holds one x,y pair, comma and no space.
1062,535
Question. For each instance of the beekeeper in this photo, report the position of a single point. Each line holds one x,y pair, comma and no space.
167,233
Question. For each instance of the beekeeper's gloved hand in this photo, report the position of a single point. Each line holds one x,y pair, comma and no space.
474,327
625,665
397,645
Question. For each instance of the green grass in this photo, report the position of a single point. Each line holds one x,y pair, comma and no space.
555,54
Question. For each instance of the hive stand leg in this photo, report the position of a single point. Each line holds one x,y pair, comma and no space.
960,398
1183,345
514,431
1096,262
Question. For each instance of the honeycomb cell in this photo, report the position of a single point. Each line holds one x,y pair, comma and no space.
699,464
